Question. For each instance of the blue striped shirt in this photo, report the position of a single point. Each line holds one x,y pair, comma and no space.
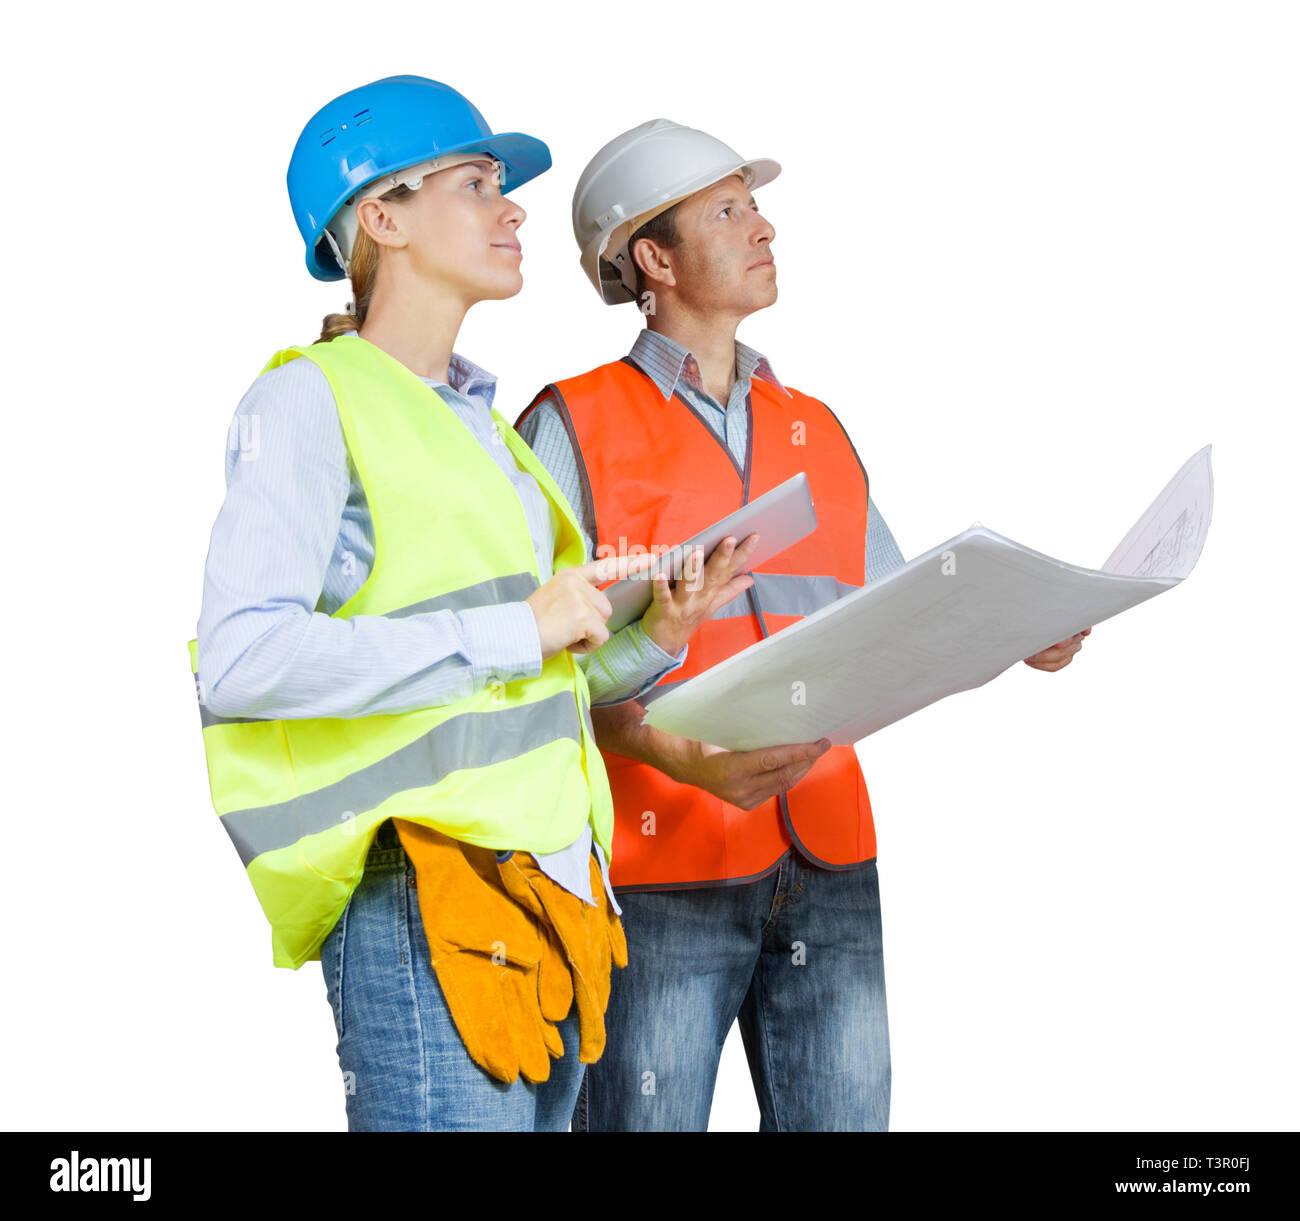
672,367
294,541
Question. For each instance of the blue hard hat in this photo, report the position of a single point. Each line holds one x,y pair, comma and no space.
378,129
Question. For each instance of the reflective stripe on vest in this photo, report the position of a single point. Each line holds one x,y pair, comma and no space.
667,834
514,588
781,593
472,739
513,765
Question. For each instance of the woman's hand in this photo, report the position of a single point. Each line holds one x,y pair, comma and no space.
570,610
677,611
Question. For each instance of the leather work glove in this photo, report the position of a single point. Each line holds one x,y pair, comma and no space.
591,938
488,953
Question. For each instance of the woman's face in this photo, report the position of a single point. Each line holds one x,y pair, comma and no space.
463,234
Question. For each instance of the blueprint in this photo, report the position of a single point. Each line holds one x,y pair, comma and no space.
947,621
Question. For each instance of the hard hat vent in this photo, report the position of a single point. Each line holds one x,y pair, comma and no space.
329,135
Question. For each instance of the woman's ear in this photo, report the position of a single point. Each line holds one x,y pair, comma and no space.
380,221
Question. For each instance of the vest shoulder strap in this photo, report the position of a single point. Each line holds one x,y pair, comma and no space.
802,401
282,357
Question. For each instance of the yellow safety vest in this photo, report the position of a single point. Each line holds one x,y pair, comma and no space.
513,766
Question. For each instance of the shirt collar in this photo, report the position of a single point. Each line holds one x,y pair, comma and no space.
469,378
465,377
666,362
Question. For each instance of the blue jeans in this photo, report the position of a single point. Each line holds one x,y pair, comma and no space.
405,1067
796,956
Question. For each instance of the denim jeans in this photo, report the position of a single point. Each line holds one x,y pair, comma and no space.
796,956
405,1067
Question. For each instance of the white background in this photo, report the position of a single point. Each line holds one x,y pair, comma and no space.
1034,255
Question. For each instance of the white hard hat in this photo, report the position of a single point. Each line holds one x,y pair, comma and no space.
635,177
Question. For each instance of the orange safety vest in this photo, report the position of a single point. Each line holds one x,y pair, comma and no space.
656,475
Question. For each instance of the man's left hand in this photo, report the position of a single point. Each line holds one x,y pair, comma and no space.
1060,654
679,607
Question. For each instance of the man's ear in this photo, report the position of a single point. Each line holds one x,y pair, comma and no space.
654,262
380,222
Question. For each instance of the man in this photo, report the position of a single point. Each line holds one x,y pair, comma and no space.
748,879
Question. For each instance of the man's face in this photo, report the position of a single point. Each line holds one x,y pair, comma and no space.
723,259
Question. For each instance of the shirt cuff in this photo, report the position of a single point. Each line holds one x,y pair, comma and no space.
651,649
502,642
627,665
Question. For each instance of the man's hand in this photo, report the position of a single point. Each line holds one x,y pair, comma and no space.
743,778
677,610
1060,654
748,778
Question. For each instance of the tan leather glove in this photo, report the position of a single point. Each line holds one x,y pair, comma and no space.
591,937
469,917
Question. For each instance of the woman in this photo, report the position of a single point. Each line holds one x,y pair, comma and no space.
396,598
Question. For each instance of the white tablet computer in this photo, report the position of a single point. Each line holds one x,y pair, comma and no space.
780,517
